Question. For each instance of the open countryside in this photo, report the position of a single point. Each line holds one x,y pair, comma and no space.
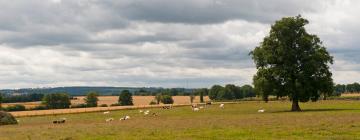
180,70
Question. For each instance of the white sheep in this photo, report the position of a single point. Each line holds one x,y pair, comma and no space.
109,119
196,109
146,112
141,111
125,118
221,106
261,110
107,112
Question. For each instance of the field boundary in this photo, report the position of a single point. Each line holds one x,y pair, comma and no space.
98,109
85,110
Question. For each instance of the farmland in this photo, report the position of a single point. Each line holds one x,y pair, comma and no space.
138,100
319,120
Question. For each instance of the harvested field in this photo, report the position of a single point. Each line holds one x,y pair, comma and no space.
138,100
350,95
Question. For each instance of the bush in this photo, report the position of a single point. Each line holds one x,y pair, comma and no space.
15,108
104,105
153,102
40,107
116,104
7,118
79,106
167,99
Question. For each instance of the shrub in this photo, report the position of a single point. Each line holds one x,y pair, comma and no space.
79,106
116,104
104,105
15,108
7,118
40,107
167,99
153,102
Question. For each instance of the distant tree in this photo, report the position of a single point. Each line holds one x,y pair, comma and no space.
1,98
236,90
201,92
167,99
91,99
56,101
213,93
174,91
158,98
339,89
225,94
192,97
125,98
247,91
293,63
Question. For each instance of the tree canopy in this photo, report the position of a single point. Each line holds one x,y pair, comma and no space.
291,62
57,101
125,98
91,99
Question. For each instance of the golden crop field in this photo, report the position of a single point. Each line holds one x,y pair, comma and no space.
138,100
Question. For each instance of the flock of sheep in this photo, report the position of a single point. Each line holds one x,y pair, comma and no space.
194,107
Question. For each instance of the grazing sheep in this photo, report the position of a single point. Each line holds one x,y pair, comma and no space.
125,118
109,119
62,120
196,109
167,107
154,114
146,112
221,106
193,105
107,112
261,110
141,111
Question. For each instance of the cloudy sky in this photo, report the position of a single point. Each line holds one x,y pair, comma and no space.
169,43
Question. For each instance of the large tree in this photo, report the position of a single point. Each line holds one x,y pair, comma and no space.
57,101
291,62
125,98
91,99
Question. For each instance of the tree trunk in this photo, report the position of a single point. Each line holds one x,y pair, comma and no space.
295,106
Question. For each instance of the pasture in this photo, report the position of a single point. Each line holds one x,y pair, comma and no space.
319,120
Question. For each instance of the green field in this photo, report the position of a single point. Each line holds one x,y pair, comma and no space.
320,120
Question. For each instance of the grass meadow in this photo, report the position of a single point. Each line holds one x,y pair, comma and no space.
319,120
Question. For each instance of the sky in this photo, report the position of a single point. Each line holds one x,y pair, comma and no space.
159,43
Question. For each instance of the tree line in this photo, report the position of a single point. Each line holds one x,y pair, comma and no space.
347,88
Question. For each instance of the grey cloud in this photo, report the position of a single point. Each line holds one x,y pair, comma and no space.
211,11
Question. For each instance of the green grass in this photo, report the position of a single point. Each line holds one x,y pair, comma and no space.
320,120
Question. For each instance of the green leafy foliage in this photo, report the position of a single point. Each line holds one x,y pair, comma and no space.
167,99
57,101
125,98
7,118
17,107
291,62
91,99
